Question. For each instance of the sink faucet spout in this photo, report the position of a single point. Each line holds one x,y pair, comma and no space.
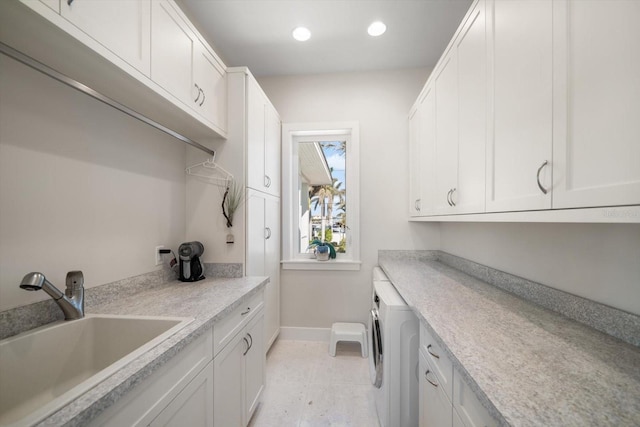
71,302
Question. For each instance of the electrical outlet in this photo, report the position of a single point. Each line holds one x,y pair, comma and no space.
159,255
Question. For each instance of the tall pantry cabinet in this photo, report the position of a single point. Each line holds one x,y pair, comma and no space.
261,138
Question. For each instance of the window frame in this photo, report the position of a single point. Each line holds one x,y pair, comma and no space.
292,133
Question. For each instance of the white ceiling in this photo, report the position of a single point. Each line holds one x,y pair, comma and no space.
257,33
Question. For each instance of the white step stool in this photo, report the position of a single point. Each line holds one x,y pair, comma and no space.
354,332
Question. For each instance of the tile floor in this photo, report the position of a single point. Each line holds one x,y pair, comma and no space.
308,388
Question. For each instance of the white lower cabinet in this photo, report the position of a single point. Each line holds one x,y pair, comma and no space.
182,385
435,409
467,406
192,407
445,398
240,375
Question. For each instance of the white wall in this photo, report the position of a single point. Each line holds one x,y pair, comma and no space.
82,186
596,261
380,102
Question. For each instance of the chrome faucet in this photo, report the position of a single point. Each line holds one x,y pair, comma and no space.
72,304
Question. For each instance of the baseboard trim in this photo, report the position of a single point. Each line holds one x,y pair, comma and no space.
304,334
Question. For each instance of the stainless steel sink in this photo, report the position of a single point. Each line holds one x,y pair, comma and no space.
44,369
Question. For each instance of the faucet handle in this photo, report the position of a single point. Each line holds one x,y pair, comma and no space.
75,280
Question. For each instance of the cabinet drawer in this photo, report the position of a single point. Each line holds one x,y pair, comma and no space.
231,324
468,406
438,359
435,406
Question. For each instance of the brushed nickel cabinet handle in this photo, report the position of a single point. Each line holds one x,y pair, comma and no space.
246,311
426,376
451,197
448,199
69,2
268,233
248,346
544,190
203,98
432,353
199,91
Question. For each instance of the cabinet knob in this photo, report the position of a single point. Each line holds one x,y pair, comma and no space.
544,190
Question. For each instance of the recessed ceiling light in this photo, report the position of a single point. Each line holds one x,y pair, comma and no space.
376,29
301,34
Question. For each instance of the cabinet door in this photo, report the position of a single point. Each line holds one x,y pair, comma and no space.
272,269
469,196
467,406
255,136
172,47
414,162
446,87
596,103
256,233
124,30
193,406
520,59
272,144
435,410
211,80
228,371
254,360
427,152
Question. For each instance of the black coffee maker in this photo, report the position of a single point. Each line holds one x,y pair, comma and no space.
190,266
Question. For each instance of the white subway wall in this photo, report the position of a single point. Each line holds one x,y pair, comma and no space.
82,187
380,102
600,262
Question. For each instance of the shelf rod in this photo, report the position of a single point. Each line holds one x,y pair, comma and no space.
38,66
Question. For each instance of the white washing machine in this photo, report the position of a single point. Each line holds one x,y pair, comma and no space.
393,355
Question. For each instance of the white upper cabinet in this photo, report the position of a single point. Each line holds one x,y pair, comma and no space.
446,88
472,113
427,151
124,30
414,163
520,55
596,146
211,79
182,65
263,142
172,50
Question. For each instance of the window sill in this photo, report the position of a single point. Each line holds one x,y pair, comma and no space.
312,264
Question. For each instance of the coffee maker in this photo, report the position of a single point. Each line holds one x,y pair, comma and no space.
190,266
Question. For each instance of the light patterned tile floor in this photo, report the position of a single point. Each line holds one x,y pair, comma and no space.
308,388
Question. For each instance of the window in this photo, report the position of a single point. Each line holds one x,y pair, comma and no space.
320,193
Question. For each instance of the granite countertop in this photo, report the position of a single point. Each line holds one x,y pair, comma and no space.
528,365
206,301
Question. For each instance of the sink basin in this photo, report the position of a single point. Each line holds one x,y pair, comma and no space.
44,369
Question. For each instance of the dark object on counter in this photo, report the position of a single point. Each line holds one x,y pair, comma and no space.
190,266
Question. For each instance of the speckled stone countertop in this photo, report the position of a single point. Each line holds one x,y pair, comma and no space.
206,301
528,365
